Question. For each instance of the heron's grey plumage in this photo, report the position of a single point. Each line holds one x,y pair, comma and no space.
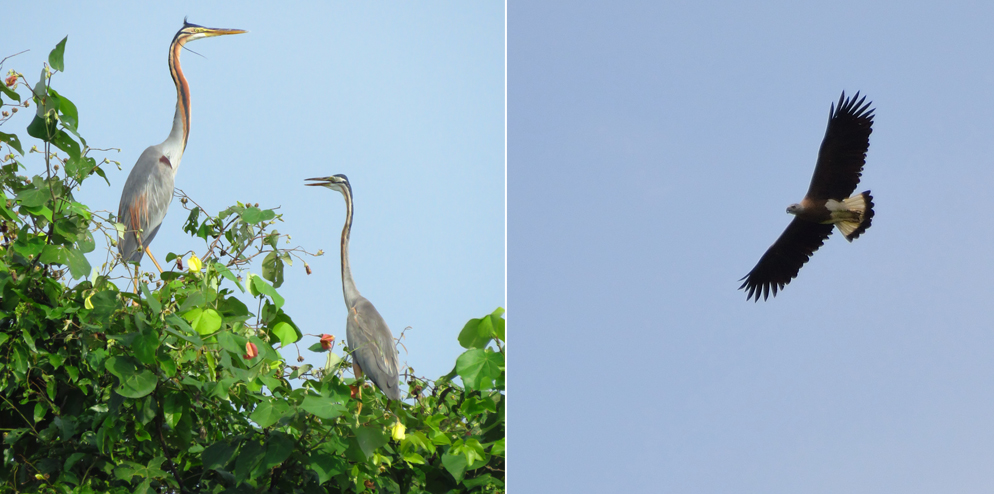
368,335
149,188
151,182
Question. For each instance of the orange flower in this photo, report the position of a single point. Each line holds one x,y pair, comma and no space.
327,341
251,351
11,81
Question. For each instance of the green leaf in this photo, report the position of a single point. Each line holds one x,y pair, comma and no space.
28,245
473,406
190,335
134,383
104,304
370,439
254,215
326,466
175,404
278,448
35,195
85,242
232,342
121,367
498,448
221,268
145,345
72,460
79,267
456,465
11,139
203,321
56,56
286,333
482,480
498,322
268,412
272,269
44,125
166,363
62,141
248,457
6,213
153,303
332,362
322,407
69,114
266,351
194,299
10,94
414,458
217,455
45,122
264,288
478,368
476,333
41,211
137,386
54,254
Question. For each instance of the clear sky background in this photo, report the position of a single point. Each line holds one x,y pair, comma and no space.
653,148
406,99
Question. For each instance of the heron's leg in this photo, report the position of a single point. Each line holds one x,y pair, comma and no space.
136,279
358,385
150,256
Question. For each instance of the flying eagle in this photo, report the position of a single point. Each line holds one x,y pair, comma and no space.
827,203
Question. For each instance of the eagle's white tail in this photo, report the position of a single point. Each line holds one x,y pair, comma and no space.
860,207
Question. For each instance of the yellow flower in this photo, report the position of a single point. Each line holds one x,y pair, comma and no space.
194,264
397,431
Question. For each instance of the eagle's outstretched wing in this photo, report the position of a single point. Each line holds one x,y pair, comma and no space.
784,258
843,150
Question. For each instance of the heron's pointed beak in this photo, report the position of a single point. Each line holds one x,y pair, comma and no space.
321,181
222,32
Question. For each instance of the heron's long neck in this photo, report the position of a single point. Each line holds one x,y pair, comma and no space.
348,284
175,144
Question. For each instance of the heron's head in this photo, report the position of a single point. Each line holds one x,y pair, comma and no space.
794,208
190,32
335,182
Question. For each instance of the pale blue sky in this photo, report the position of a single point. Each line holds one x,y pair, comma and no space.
407,100
652,150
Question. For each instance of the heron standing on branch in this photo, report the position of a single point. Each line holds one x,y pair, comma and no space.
373,349
149,188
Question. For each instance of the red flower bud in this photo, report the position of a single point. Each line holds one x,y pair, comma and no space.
251,351
327,341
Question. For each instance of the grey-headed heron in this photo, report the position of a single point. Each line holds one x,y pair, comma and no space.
149,187
373,349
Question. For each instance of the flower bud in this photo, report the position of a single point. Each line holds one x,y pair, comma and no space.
327,341
398,431
195,264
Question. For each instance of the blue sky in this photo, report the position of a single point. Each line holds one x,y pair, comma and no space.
652,150
407,100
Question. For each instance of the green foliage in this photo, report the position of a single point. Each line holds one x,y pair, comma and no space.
179,387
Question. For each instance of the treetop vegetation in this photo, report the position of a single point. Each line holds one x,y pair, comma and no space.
189,385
